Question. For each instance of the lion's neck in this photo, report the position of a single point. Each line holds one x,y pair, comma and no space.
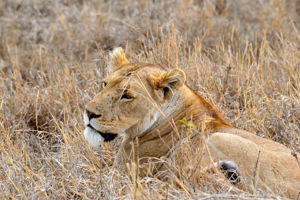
203,113
166,131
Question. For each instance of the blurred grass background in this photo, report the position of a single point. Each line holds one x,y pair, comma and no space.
242,55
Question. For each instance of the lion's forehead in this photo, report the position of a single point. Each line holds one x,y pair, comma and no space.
132,75
136,69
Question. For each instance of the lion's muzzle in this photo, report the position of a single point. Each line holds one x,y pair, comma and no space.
94,136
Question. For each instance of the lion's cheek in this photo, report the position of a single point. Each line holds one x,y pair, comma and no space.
94,139
140,125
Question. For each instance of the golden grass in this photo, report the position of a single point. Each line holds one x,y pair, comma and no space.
242,55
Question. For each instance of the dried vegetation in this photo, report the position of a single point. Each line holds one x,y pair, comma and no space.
242,55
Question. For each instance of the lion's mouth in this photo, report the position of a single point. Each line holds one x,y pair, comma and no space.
107,136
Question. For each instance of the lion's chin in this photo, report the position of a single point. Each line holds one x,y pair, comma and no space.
95,137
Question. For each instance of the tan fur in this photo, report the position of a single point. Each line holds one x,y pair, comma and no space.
149,121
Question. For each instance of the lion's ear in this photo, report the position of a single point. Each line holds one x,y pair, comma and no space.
117,59
169,81
173,78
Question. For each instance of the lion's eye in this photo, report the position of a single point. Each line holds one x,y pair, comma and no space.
126,96
104,84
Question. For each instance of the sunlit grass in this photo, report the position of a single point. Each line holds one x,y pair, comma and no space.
243,56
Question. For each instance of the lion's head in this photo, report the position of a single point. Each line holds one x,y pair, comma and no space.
135,98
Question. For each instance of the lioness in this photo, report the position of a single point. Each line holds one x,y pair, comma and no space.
143,102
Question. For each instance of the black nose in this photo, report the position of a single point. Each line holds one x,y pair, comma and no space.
91,115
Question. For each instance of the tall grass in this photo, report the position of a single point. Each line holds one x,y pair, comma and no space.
242,55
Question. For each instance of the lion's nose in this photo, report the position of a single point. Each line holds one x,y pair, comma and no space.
91,115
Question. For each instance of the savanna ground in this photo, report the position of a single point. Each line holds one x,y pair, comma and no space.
242,55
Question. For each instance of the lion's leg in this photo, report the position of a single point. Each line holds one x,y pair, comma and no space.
240,151
275,172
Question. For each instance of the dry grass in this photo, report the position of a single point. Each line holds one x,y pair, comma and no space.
242,55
